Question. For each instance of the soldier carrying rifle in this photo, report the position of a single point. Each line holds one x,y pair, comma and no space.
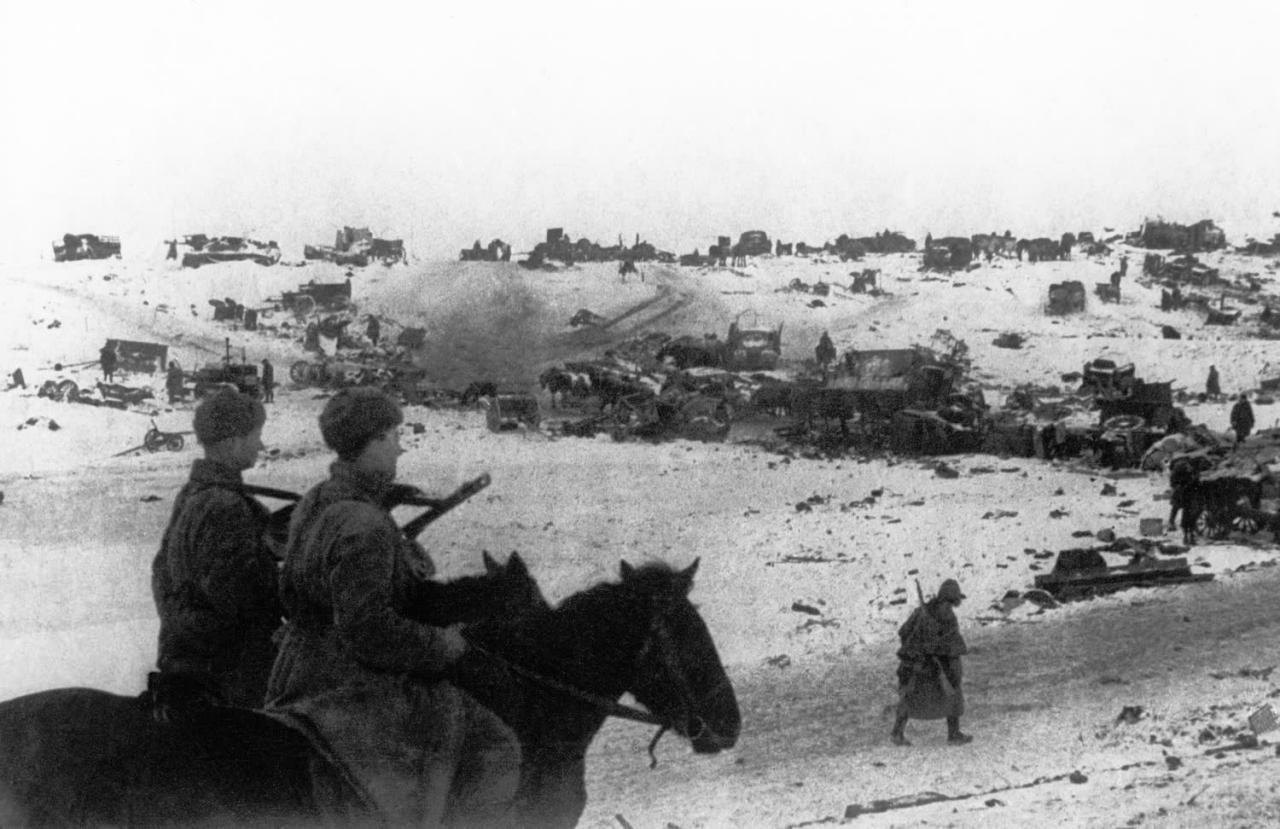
929,672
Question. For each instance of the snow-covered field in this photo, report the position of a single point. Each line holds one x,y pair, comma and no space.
79,524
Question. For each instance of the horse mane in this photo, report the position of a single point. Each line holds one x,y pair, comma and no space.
653,579
617,612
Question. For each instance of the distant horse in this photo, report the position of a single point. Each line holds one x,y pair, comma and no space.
810,404
478,389
1041,249
615,387
77,756
562,382
773,398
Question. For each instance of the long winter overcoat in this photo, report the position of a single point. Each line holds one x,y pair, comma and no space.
929,669
214,585
369,679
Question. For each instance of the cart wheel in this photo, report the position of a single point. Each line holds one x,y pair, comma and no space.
1246,522
153,440
67,391
1208,525
299,371
174,443
303,305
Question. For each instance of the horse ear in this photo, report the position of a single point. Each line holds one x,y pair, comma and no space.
490,566
687,574
627,570
516,564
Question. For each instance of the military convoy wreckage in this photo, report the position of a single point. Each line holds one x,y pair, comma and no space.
77,246
559,247
210,250
358,247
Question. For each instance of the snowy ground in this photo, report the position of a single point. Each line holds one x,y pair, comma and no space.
79,524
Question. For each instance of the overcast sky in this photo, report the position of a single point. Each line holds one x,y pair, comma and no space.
675,121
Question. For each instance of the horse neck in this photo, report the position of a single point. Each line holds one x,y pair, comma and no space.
591,641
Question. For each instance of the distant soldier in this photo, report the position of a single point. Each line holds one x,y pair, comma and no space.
268,381
1184,473
373,330
19,381
173,383
1124,264
107,356
173,249
1212,386
825,352
929,672
1242,417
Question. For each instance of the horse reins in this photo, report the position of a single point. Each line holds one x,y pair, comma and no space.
611,707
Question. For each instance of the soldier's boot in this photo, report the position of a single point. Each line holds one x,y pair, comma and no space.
955,736
896,736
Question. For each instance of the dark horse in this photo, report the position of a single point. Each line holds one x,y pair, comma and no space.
641,635
84,757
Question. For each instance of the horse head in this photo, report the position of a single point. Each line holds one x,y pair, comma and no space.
502,591
513,587
678,675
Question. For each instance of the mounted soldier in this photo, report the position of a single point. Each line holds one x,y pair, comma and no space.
214,579
374,682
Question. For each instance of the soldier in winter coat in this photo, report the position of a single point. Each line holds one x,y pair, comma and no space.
1212,384
929,672
214,579
374,682
1242,417
268,381
825,352
110,360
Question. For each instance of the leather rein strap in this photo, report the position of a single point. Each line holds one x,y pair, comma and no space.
609,706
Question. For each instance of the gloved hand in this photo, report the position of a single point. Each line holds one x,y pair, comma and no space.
486,677
453,643
181,697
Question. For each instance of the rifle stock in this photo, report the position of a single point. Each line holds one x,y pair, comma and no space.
278,521
415,526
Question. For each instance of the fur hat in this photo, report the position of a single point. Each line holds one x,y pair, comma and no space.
355,416
227,414
950,591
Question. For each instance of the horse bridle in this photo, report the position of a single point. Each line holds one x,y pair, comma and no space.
611,707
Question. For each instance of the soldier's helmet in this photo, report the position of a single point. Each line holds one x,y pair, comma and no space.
950,591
